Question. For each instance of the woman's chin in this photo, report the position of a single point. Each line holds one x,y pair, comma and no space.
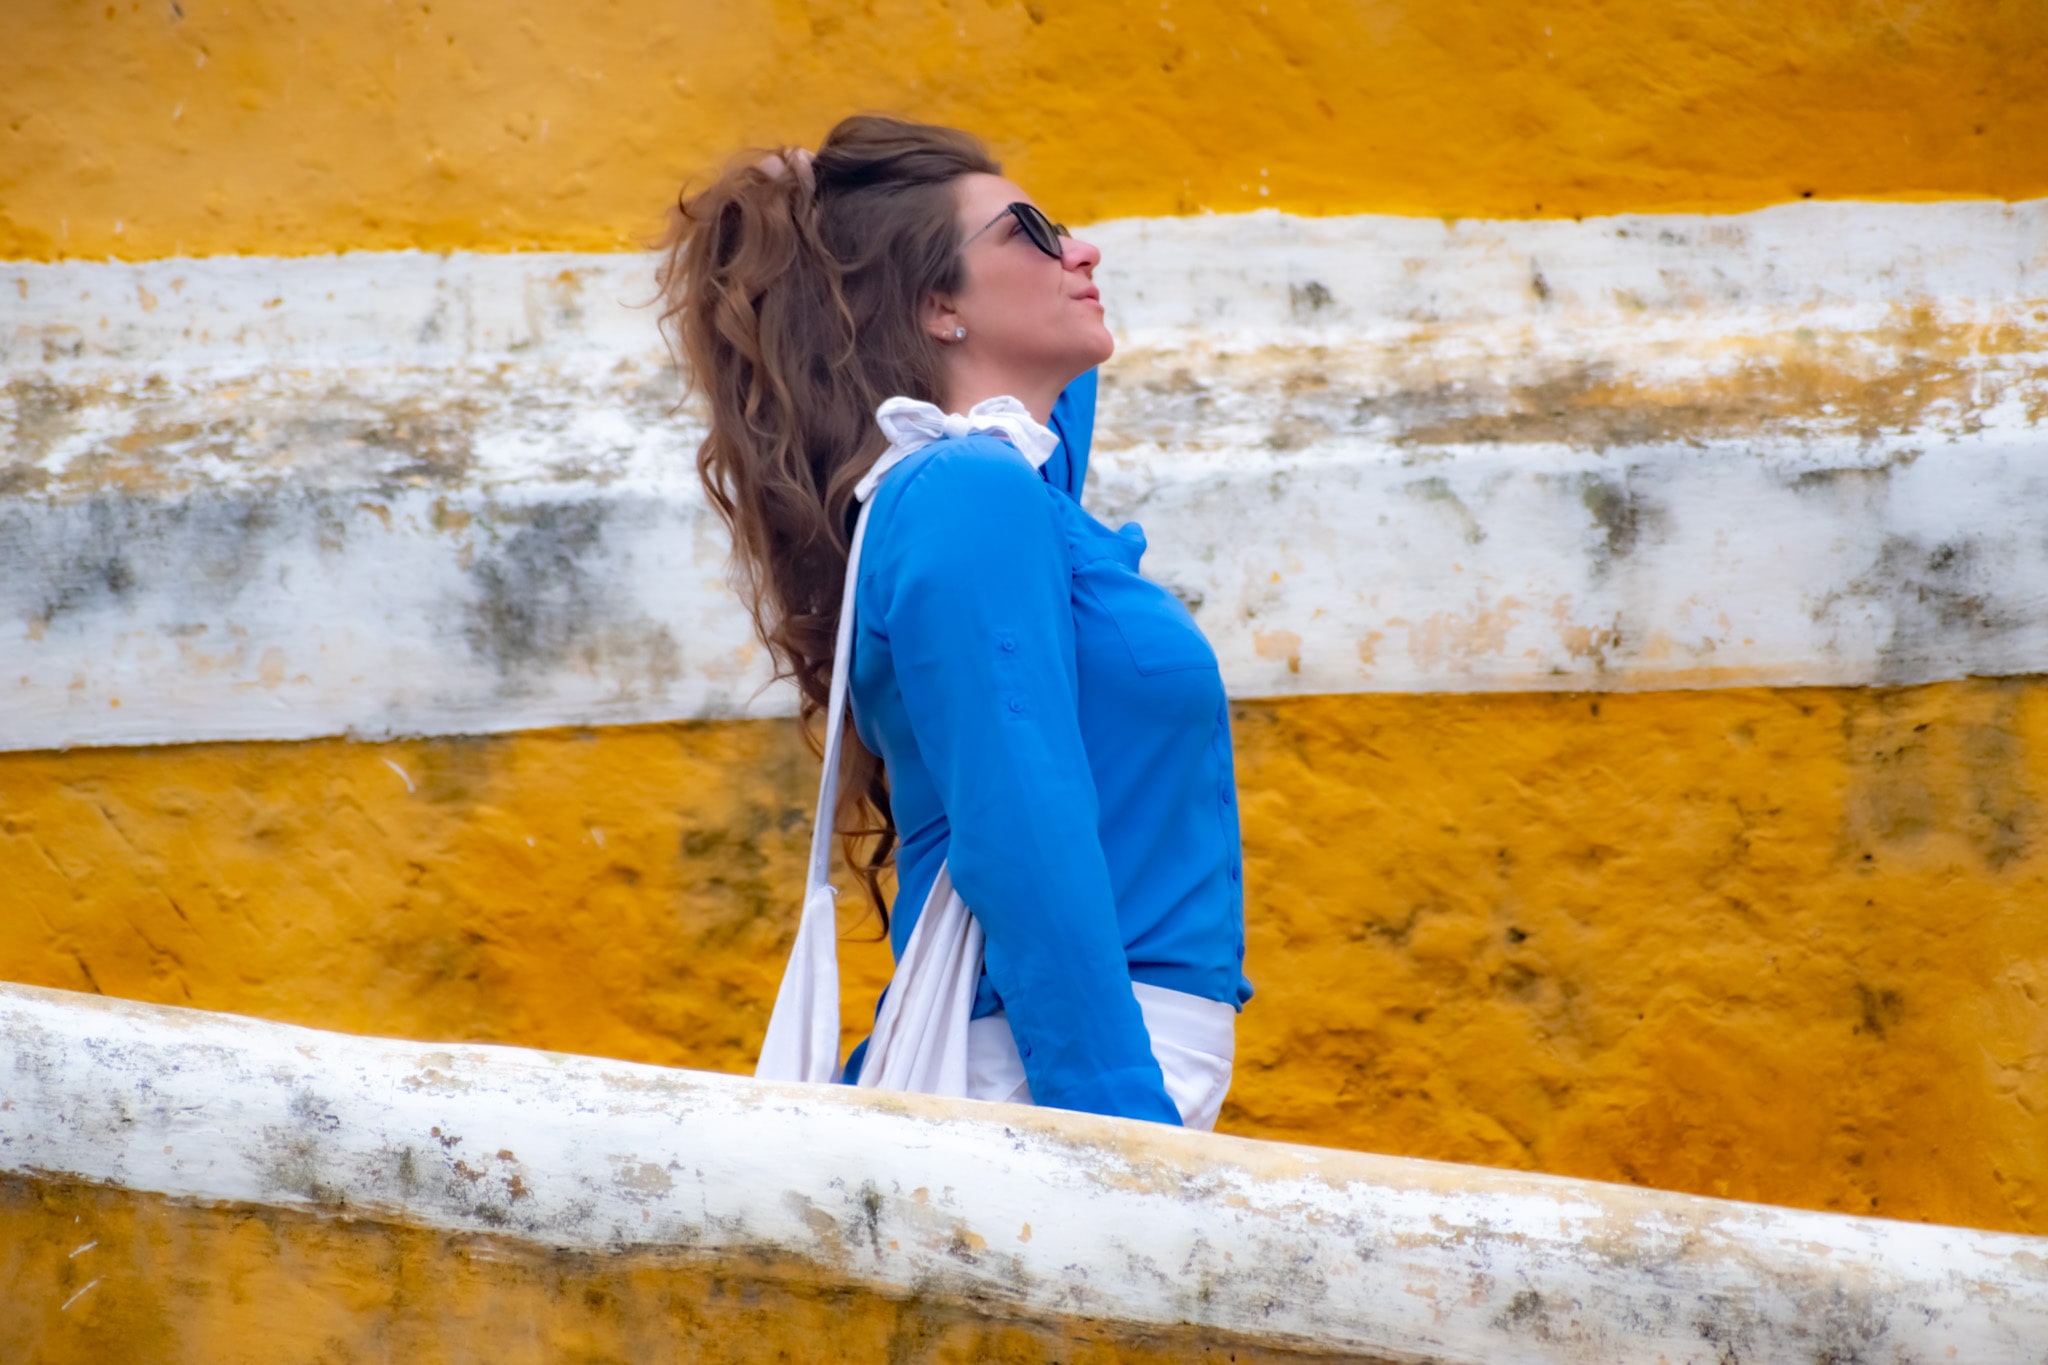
1082,351
1103,348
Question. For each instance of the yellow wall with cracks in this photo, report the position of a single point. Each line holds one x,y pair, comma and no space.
197,128
1782,945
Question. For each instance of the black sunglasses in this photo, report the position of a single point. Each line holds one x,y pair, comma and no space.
1044,233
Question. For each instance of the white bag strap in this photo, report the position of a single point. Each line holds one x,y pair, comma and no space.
802,1043
803,1032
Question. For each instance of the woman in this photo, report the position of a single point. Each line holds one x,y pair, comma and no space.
1033,717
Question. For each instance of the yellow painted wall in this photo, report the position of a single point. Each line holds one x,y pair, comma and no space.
625,893
168,1283
1784,945
198,127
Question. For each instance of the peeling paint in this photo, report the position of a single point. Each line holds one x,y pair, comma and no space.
451,495
235,1279
1331,1250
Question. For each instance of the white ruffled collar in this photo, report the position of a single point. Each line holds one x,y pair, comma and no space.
912,424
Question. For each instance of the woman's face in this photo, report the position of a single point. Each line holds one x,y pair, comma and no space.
1024,311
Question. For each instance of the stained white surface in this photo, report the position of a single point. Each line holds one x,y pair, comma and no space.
1244,277
1024,1210
390,494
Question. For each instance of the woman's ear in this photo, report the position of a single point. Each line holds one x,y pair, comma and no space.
941,319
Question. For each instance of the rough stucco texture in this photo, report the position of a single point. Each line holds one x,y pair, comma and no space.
102,1274
1781,945
148,130
626,892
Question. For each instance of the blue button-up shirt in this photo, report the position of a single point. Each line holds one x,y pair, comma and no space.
1056,733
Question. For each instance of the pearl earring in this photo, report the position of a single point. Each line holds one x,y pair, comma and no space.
959,334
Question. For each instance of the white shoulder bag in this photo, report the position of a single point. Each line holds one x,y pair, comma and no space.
920,1037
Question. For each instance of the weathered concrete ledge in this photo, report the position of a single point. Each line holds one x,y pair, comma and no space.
1015,1209
402,494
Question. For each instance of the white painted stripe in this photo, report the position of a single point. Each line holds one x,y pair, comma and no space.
381,494
1127,1222
1247,279
305,612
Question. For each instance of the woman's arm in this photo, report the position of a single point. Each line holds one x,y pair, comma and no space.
973,591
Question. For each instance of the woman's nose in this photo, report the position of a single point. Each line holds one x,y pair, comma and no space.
1076,254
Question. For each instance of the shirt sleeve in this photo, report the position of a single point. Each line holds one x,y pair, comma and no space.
972,590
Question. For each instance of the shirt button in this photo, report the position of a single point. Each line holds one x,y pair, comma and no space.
1017,705
1229,796
1023,1049
1009,643
1234,873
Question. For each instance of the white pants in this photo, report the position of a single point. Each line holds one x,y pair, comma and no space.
1194,1040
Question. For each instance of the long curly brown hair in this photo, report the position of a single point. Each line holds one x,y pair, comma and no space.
795,311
